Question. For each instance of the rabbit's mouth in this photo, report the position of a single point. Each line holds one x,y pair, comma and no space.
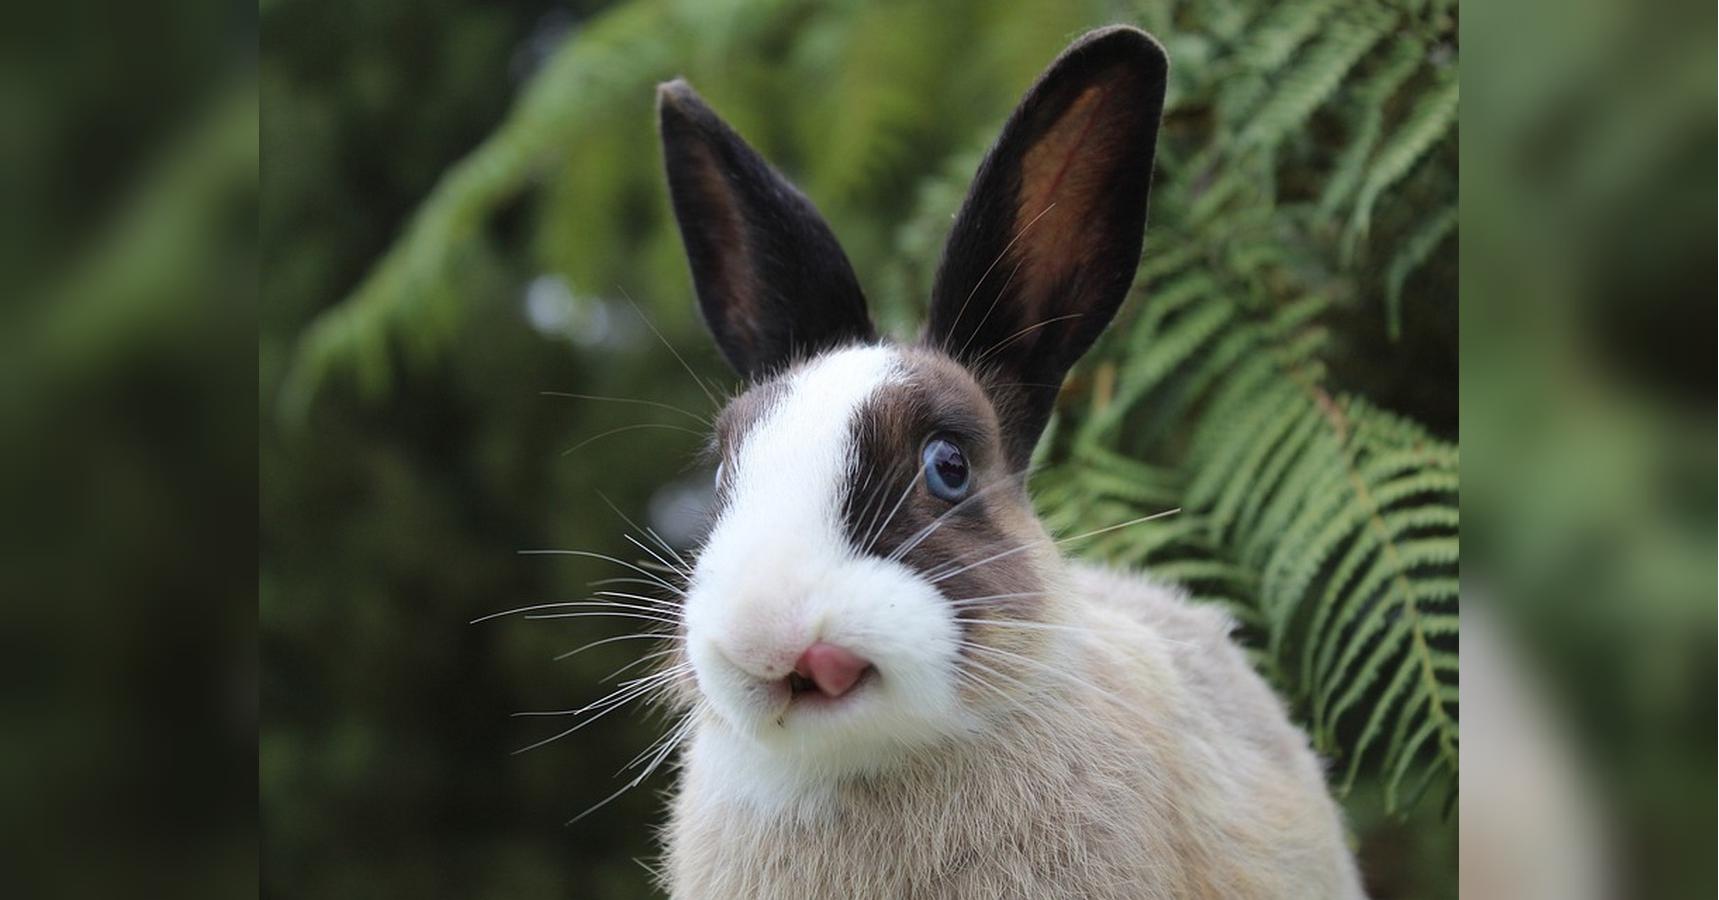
804,689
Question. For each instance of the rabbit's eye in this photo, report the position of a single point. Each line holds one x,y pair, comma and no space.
946,472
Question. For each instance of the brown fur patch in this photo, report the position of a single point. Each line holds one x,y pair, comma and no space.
732,424
979,551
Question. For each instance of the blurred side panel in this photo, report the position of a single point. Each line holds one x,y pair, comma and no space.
1588,322
128,168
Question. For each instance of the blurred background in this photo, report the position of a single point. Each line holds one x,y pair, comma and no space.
458,205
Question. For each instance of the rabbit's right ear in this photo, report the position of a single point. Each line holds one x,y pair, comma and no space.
772,282
1046,244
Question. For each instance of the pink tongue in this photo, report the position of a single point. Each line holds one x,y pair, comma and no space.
833,669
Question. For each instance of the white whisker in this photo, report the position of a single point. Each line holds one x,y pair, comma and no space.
553,738
662,754
594,615
667,606
965,602
714,403
684,570
872,538
993,307
1052,671
617,561
626,580
641,426
638,402
648,636
1030,545
625,691
907,546
987,273
656,654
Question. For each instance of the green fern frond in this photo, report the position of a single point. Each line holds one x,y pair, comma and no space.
1414,253
1333,520
1433,116
1370,97
1280,32
1316,76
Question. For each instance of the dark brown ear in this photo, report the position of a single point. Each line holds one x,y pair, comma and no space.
772,282
1046,244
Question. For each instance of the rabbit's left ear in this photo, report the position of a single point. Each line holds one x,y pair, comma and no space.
772,282
1046,244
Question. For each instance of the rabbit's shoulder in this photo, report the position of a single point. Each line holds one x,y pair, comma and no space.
1162,606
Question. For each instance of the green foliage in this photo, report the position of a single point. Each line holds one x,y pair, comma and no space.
1265,377
1327,525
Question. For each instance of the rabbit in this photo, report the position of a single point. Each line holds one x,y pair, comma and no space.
894,684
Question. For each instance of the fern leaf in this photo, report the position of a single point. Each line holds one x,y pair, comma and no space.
1310,83
1371,95
1432,117
1412,256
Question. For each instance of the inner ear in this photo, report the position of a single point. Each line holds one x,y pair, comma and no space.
1066,178
772,282
1045,246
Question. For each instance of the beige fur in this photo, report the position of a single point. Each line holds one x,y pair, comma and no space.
1141,758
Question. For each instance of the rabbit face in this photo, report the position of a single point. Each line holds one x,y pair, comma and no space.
873,525
865,504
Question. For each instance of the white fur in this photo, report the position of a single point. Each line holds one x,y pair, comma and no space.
779,574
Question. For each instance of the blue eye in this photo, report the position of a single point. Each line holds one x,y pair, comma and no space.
946,474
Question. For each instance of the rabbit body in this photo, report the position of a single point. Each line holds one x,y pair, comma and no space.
1178,777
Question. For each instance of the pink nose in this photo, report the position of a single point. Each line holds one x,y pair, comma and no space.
833,669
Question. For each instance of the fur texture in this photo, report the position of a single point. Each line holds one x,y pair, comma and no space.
1168,771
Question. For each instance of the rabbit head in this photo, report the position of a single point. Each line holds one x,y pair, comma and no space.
872,523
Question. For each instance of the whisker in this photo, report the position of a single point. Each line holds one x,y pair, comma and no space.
993,307
625,692
1000,654
663,605
673,735
556,737
906,547
509,612
635,401
871,507
662,426
987,273
625,580
657,654
686,566
647,636
656,761
1119,525
678,358
882,526
1072,629
1021,334
590,603
591,555
684,570
977,601
1019,703
604,615
1032,544
659,567
646,547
